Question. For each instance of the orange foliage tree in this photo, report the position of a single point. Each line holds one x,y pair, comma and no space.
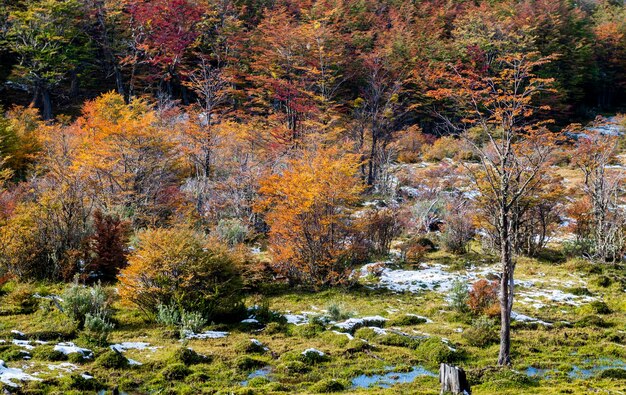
305,206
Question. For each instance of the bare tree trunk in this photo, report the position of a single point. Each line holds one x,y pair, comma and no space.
46,113
506,291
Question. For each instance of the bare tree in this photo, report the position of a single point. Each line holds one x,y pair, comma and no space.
497,102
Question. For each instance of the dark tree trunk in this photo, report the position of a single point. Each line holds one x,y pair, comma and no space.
371,174
46,113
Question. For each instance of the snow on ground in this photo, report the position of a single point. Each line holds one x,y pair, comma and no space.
352,323
296,319
434,277
312,351
121,347
70,348
8,375
524,318
206,335
64,366
23,343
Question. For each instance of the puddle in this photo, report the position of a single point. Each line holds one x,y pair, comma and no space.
601,365
263,372
391,378
536,372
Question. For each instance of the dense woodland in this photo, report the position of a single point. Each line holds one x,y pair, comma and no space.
175,163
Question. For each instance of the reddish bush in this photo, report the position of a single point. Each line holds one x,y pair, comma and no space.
108,245
483,298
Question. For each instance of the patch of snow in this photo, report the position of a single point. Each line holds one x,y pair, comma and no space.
349,336
378,331
8,375
250,321
132,362
86,376
71,348
23,343
206,335
312,351
121,347
353,323
524,318
296,319
65,366
16,332
428,320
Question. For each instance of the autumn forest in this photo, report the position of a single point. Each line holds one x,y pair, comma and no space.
301,196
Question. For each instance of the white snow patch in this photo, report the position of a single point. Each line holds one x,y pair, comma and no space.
524,318
312,351
349,336
71,348
121,347
250,321
206,335
9,375
296,319
65,366
23,343
352,323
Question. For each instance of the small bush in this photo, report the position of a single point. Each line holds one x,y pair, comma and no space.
191,321
365,333
328,385
458,296
168,315
414,250
337,312
112,360
175,371
483,298
97,328
599,307
309,331
483,332
232,231
78,301
78,382
181,267
273,328
603,281
188,356
356,346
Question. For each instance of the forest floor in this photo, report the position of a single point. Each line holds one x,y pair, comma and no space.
385,337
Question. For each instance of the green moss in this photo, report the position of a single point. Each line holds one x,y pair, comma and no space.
396,340
618,374
294,367
433,350
257,382
112,360
592,321
79,382
328,385
251,346
188,356
406,320
175,371
247,363
48,353
311,357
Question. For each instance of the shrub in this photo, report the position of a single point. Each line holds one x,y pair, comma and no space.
447,147
459,229
483,298
294,367
22,298
378,228
108,247
179,267
97,328
396,340
251,346
592,320
191,322
337,312
78,301
414,250
84,384
482,332
232,231
112,360
175,371
168,315
458,296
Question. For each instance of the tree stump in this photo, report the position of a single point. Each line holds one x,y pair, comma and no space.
453,380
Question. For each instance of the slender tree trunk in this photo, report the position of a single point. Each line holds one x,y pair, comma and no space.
506,290
371,174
